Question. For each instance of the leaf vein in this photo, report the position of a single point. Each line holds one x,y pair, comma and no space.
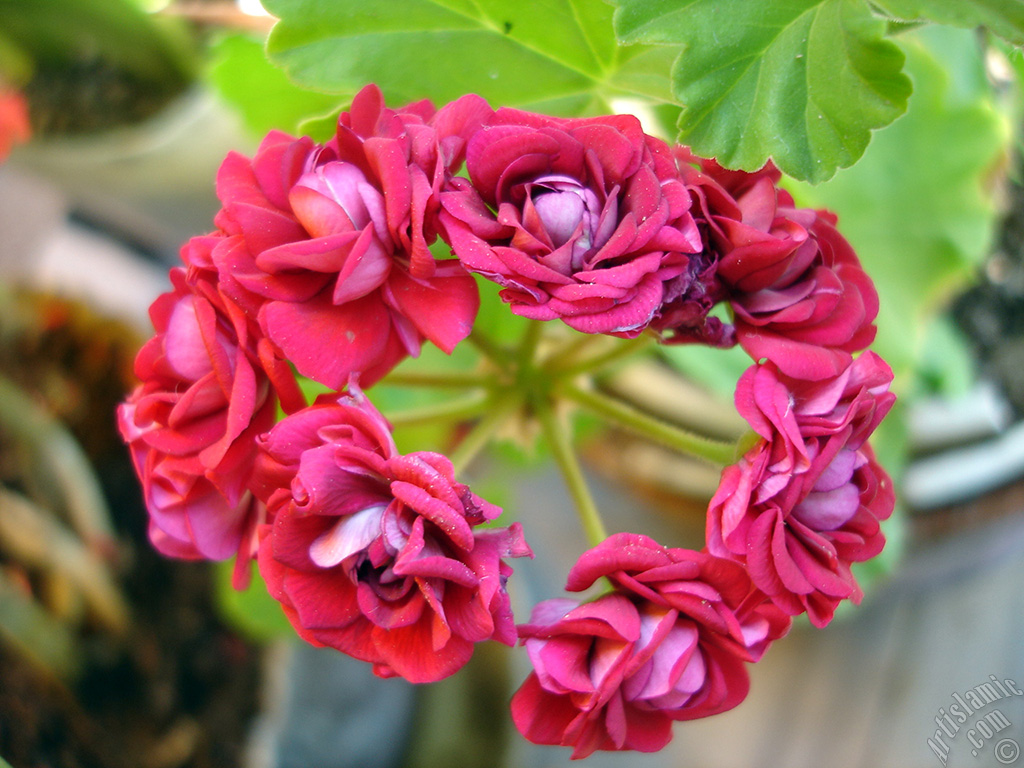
488,24
587,38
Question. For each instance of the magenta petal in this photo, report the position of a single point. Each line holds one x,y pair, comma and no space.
540,716
352,202
632,316
563,663
448,519
794,358
321,601
824,577
443,309
326,342
838,472
217,530
184,342
468,616
411,653
424,561
549,612
647,731
620,551
760,557
366,267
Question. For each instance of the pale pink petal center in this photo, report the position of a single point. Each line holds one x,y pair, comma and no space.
351,534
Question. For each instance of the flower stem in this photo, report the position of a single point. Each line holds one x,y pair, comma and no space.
486,346
560,439
450,410
635,420
439,379
500,409
626,348
527,350
575,348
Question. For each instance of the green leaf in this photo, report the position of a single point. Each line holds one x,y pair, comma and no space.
801,81
559,56
321,127
252,611
1003,17
920,206
260,92
495,318
946,366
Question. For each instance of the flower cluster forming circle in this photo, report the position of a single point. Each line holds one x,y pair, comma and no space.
322,265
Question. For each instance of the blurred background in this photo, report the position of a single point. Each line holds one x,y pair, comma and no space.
120,112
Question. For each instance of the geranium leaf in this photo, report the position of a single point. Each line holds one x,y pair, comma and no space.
1003,17
801,81
262,93
252,611
919,207
558,55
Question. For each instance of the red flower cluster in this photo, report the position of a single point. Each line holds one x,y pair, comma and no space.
375,553
328,245
805,501
192,424
794,513
321,264
669,643
798,294
584,220
321,261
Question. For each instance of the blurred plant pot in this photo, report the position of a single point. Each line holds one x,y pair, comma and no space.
148,181
159,680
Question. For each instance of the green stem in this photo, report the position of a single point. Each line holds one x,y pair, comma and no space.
622,350
635,420
483,431
560,439
570,352
488,348
450,410
527,351
438,379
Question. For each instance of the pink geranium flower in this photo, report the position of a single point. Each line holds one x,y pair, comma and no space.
683,318
798,293
584,220
805,501
378,554
192,423
669,643
330,243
